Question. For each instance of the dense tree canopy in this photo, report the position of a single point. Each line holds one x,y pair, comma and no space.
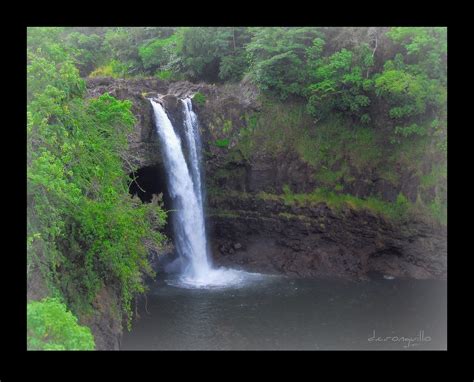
342,70
336,70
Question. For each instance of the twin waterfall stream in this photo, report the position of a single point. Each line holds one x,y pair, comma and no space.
186,191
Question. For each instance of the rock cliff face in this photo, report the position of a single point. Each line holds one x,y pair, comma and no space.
268,235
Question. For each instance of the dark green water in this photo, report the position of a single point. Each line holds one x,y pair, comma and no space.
277,313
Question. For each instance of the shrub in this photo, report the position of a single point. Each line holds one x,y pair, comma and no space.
50,326
199,98
223,143
163,74
114,68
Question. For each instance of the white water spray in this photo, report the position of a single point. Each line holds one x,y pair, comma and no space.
186,191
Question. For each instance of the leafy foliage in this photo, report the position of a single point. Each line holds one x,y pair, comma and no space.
213,53
199,98
113,68
159,53
277,58
51,326
223,143
341,84
84,230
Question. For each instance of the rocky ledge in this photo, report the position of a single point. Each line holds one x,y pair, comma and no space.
313,240
229,100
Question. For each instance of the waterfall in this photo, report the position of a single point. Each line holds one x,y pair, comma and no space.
193,139
190,236
186,191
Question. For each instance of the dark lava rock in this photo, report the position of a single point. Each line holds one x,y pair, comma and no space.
318,242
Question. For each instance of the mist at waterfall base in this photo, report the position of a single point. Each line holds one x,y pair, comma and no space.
186,190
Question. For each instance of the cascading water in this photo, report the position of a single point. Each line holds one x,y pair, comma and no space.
194,143
186,191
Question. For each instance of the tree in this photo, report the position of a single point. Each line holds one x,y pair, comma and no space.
340,83
426,50
414,82
214,53
86,51
278,58
160,53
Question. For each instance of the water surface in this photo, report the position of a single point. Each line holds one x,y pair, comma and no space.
278,313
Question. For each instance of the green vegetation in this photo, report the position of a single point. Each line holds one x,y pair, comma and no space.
52,327
222,143
113,68
401,209
339,82
223,213
199,98
341,71
84,229
278,58
164,74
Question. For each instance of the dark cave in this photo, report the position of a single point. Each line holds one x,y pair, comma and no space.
151,180
148,181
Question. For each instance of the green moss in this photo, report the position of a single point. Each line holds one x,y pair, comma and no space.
227,128
389,174
293,216
339,151
235,156
439,211
223,213
396,211
222,173
164,74
363,149
328,177
222,143
437,175
199,98
267,196
251,121
272,130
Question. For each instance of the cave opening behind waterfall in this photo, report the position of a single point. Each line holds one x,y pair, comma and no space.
150,180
